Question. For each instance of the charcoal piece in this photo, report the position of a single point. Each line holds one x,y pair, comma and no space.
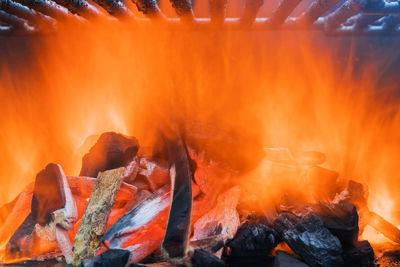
361,254
252,240
139,197
155,174
284,222
284,259
141,230
142,183
109,258
314,243
342,220
176,239
220,223
111,151
357,193
48,194
203,258
14,246
139,217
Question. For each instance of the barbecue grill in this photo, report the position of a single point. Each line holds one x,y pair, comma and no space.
333,17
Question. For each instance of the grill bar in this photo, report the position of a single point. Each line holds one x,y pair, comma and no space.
351,17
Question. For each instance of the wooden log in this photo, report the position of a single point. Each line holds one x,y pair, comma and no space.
94,220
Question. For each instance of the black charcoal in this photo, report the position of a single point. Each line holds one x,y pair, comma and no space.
361,254
109,258
314,243
203,258
48,194
252,240
111,151
342,220
284,259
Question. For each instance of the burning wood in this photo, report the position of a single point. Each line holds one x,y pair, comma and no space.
221,223
53,213
142,223
94,221
111,151
175,242
319,233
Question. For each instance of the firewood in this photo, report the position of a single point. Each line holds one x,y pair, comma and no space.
141,230
222,220
176,239
111,151
94,220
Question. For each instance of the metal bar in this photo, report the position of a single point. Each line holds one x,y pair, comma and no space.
183,9
250,12
217,12
150,9
115,7
315,10
48,8
282,12
17,23
362,21
391,23
80,7
27,13
381,8
340,15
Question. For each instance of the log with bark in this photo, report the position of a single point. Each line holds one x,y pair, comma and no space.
94,220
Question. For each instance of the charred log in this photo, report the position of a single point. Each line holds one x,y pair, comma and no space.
175,243
142,224
16,246
48,194
111,151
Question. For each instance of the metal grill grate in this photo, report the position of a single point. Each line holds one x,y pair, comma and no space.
331,16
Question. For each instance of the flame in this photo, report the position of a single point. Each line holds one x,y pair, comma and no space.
284,89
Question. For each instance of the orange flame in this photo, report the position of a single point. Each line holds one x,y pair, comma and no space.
284,88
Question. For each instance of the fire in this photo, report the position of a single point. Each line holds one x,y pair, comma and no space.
279,89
